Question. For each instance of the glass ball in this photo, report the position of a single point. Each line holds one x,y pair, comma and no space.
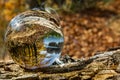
34,39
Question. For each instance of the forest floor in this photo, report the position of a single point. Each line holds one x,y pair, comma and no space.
91,30
86,32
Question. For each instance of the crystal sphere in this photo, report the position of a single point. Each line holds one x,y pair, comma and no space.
34,39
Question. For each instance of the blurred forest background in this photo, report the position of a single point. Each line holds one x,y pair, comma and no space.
89,26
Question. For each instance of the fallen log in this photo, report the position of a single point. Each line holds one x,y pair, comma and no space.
102,66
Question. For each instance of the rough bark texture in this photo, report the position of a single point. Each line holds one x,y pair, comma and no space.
102,66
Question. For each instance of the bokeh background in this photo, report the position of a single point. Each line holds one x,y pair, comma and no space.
89,26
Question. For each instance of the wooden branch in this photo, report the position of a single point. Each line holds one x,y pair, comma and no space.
102,66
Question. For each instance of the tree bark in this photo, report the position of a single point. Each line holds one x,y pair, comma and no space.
102,66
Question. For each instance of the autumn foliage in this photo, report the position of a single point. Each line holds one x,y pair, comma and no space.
86,32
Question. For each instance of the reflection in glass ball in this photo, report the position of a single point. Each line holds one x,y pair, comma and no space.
34,39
